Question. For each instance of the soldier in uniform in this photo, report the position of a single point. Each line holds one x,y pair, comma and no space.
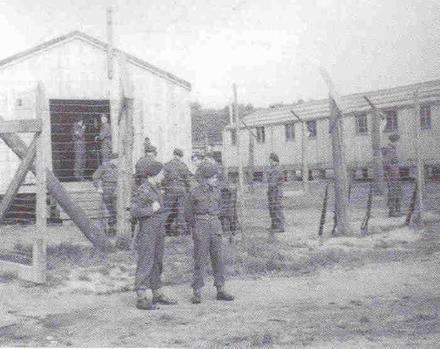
176,183
147,207
105,179
228,204
202,210
105,137
392,176
79,149
275,194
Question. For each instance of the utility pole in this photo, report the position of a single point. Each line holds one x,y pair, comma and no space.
418,216
339,164
109,44
240,165
376,143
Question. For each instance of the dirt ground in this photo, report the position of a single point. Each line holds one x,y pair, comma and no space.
379,290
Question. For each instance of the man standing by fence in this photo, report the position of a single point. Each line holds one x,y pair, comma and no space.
392,176
275,194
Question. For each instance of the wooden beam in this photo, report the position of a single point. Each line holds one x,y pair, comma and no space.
20,126
91,230
109,44
339,162
376,144
18,178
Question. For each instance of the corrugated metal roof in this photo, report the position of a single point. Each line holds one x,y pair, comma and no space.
355,103
98,43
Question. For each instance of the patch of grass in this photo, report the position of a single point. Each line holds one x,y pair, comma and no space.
84,277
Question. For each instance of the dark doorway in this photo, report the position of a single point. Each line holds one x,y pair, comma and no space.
64,113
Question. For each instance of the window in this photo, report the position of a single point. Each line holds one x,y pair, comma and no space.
361,124
233,137
311,128
425,117
290,131
260,135
391,121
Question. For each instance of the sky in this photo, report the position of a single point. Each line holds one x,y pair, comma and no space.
271,49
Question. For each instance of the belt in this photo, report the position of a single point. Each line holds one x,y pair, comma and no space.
206,215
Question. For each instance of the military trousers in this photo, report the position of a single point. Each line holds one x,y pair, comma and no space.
109,199
207,239
394,196
150,243
274,198
79,149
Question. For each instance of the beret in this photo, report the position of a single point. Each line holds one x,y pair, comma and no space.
208,170
178,152
274,157
147,167
394,137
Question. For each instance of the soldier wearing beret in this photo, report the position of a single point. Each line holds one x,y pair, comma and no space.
176,183
202,211
147,207
392,176
105,179
275,193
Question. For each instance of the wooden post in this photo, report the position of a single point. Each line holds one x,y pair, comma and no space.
251,162
339,164
109,44
376,143
39,246
418,214
240,165
304,162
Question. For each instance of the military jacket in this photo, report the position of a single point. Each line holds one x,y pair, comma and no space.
274,177
390,160
203,200
78,132
142,199
105,132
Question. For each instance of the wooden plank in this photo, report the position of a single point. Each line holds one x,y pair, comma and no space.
24,272
20,126
18,178
418,214
339,162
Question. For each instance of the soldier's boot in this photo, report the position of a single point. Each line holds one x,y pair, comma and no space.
197,296
222,295
143,302
159,297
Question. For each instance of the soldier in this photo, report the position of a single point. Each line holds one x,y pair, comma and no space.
392,176
275,194
79,149
228,204
105,179
202,211
176,183
147,207
105,136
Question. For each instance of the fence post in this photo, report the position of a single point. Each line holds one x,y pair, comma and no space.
418,214
39,246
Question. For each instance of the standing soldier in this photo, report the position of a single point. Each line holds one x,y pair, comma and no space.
228,205
176,183
202,211
146,206
105,136
79,149
275,194
392,176
105,179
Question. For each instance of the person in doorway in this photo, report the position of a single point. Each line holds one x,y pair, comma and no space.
105,137
176,184
275,194
202,210
392,176
147,207
79,149
105,179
